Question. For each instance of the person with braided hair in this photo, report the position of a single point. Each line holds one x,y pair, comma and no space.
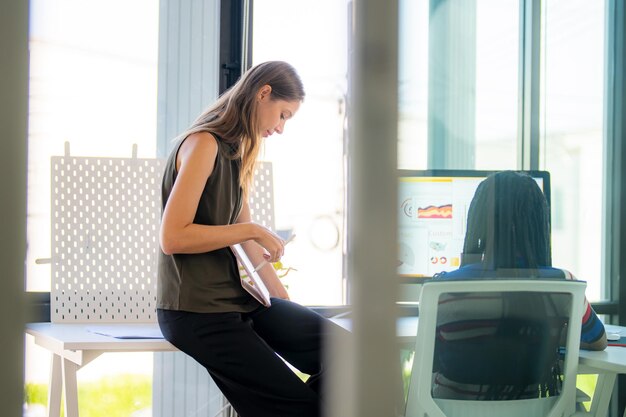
508,235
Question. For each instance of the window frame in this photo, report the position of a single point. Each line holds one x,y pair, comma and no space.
614,271
233,35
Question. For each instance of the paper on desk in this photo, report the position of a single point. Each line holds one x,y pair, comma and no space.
126,331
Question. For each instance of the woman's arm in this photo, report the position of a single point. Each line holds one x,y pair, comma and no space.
592,335
179,234
257,255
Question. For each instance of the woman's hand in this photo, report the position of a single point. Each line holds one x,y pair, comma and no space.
264,245
271,242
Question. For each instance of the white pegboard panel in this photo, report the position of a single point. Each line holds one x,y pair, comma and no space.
105,221
262,195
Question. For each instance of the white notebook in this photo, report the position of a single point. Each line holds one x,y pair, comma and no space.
250,279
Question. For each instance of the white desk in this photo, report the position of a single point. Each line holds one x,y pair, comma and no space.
73,347
607,364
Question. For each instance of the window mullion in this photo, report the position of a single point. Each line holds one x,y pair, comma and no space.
614,232
529,84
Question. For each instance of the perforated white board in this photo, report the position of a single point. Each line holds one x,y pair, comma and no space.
262,195
105,221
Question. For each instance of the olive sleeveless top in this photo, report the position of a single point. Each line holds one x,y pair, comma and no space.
205,282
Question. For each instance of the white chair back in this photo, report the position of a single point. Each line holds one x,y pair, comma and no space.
435,294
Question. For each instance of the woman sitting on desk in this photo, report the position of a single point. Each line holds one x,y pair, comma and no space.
508,228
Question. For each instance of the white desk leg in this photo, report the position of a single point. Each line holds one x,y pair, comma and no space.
602,395
55,387
70,387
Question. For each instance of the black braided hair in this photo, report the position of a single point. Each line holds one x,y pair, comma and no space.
508,223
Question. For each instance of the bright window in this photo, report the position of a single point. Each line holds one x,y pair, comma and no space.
308,159
93,83
572,110
458,84
93,79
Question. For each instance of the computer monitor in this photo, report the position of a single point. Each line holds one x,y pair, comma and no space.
432,218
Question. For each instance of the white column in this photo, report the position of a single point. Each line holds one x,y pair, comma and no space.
368,383
189,36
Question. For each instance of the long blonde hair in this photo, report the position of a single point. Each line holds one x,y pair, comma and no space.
233,117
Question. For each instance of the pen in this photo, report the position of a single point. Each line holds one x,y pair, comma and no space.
265,262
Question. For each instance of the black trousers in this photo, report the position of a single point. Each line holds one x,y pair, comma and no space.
240,351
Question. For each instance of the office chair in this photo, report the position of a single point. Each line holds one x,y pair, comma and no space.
506,347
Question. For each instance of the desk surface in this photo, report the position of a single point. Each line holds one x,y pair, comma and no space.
81,336
59,337
612,359
78,344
